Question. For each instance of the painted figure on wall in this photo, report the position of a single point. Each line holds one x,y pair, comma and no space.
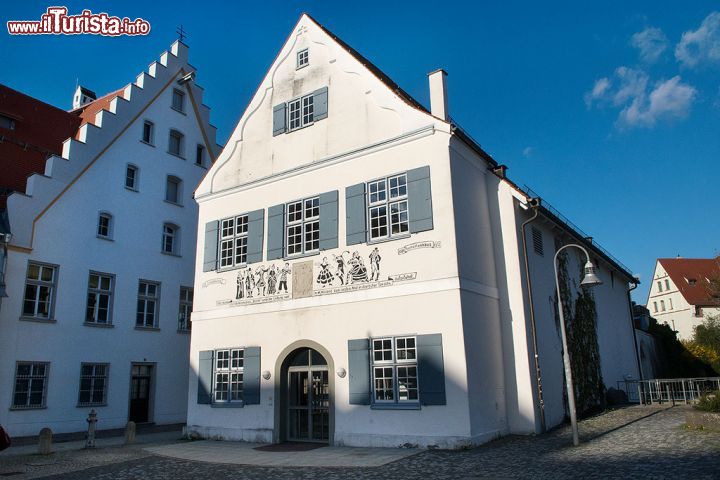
325,277
340,266
240,291
260,284
283,278
358,271
272,280
249,284
375,265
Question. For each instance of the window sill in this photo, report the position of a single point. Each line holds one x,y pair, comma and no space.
20,408
101,237
300,127
295,256
147,329
395,406
132,189
227,405
389,239
201,165
234,267
302,66
37,319
85,405
178,110
98,325
170,254
147,143
173,203
176,155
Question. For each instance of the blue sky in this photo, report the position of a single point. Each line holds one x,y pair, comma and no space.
610,110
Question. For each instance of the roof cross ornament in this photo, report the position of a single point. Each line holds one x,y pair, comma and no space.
181,33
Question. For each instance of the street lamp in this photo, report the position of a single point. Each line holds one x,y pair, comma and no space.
590,279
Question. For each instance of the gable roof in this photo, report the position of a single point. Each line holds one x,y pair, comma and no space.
40,130
691,275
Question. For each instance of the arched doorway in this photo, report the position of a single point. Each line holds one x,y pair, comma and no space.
306,396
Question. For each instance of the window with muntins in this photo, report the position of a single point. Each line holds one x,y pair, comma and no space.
104,225
131,177
170,240
302,231
388,207
40,284
303,58
300,112
99,300
233,241
186,306
30,388
228,375
148,131
176,143
178,100
394,370
147,304
93,384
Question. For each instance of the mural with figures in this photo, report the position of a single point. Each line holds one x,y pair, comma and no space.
342,271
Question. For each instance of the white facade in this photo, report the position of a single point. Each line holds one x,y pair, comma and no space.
453,282
667,304
55,224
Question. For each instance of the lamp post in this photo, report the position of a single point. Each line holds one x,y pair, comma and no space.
590,279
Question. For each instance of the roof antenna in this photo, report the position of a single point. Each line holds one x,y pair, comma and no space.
181,33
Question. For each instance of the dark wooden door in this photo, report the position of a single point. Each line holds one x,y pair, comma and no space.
140,393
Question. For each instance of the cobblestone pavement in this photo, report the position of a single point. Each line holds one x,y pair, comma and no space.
647,442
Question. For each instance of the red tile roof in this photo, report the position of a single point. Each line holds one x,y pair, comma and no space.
691,276
40,130
88,112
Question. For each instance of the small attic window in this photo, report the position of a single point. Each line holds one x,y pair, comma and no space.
178,100
7,122
691,281
303,58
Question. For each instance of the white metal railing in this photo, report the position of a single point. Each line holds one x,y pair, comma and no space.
664,390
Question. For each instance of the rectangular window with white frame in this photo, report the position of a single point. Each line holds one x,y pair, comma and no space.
40,285
148,302
131,177
302,226
185,312
105,226
303,58
300,112
99,299
233,241
228,375
176,144
388,207
178,100
93,384
394,370
171,239
31,381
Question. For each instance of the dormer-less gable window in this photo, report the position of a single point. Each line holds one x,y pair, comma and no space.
176,143
148,130
300,112
303,58
178,100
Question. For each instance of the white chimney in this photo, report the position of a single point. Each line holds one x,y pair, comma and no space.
438,94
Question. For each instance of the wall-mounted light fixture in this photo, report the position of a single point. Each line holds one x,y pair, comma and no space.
266,375
341,372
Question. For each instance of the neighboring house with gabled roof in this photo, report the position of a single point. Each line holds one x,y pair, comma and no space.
362,275
98,240
681,294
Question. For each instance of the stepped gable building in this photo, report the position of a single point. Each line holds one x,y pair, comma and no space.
98,251
361,272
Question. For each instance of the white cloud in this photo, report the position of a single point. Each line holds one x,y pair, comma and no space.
651,43
641,105
701,45
527,152
669,99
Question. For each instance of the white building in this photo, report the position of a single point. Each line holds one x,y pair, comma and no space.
99,269
679,294
360,275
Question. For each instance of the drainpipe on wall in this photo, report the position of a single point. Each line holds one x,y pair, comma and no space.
4,241
538,376
632,325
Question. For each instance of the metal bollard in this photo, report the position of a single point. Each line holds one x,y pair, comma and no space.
92,420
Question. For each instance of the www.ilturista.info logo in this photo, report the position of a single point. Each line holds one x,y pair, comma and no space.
57,22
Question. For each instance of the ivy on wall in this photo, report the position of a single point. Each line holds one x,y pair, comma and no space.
581,327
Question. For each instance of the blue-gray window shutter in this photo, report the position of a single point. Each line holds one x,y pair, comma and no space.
251,376
256,228
276,232
320,103
355,224
419,199
279,119
205,377
359,371
431,372
211,246
329,220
